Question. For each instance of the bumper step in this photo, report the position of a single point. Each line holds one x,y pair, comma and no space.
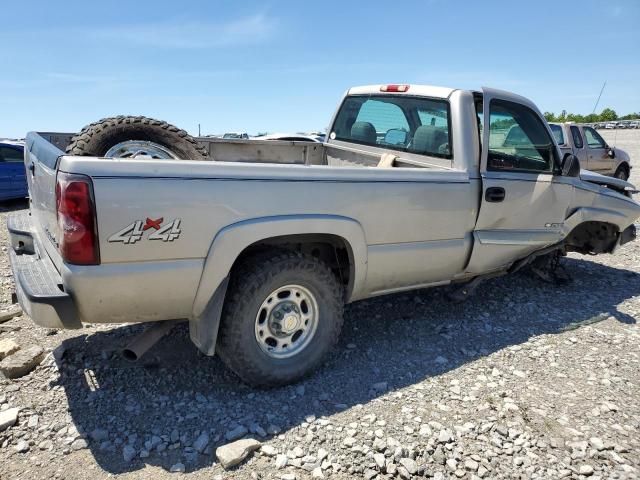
38,283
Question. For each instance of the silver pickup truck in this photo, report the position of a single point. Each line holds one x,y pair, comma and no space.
260,244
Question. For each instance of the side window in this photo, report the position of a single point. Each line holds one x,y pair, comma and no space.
558,134
518,140
8,154
594,140
577,138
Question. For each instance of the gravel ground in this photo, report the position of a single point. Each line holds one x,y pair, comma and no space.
524,380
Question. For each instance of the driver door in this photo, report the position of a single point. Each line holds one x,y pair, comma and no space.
524,201
597,152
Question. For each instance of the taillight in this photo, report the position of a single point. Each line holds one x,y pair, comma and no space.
394,88
78,233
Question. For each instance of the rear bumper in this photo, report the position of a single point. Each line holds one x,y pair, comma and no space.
38,283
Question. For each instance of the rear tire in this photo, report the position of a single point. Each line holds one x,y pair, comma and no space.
98,138
622,173
263,355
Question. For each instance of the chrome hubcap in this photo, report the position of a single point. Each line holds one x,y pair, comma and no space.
141,150
286,321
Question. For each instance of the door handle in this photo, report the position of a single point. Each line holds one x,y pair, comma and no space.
32,169
494,194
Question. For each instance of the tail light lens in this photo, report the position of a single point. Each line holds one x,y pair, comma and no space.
78,240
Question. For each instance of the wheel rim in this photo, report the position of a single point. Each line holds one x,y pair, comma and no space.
286,321
140,149
621,175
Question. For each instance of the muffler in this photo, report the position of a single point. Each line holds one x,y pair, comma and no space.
147,339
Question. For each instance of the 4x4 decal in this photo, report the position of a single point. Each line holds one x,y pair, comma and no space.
135,231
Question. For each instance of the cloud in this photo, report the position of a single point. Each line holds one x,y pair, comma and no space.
190,34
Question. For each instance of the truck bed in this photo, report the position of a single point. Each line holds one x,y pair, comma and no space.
428,215
278,152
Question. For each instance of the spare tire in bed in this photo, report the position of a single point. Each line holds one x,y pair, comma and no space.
136,137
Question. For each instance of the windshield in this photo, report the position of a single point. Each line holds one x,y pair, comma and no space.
397,122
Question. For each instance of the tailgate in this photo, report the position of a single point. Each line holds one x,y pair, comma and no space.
41,161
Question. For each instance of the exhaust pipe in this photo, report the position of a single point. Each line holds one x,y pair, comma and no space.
147,339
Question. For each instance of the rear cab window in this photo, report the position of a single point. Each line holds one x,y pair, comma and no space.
415,125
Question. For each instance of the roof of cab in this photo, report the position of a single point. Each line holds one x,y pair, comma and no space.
420,90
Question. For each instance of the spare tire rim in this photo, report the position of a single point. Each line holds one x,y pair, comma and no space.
286,321
140,149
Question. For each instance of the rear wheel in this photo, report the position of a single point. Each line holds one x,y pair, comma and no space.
136,137
622,173
283,314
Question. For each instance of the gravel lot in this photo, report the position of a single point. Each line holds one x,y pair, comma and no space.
524,380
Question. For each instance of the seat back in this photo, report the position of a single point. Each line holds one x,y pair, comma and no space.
364,132
428,139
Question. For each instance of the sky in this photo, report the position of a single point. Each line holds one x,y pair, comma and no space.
282,66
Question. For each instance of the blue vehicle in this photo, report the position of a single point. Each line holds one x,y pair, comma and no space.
13,178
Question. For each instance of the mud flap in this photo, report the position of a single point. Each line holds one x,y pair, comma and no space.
203,330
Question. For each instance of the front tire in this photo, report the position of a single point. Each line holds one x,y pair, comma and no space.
622,173
282,315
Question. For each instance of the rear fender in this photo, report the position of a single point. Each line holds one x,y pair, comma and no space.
232,240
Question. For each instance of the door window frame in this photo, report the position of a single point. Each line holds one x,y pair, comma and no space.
597,135
555,160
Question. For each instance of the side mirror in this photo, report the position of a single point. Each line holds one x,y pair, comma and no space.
570,166
611,152
395,136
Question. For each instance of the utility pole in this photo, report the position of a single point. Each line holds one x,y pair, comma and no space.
199,130
598,101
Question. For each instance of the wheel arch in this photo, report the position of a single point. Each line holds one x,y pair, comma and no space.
593,230
237,240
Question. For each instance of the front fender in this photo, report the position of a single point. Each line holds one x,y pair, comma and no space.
588,214
232,240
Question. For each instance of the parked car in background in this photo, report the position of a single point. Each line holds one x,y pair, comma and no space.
236,135
591,149
621,125
13,180
610,126
634,124
291,137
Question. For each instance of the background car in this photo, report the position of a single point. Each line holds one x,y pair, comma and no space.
236,135
291,137
13,179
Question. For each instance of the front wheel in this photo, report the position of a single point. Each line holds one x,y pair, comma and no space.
622,173
282,315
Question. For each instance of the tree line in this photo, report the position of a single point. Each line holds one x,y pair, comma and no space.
606,115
